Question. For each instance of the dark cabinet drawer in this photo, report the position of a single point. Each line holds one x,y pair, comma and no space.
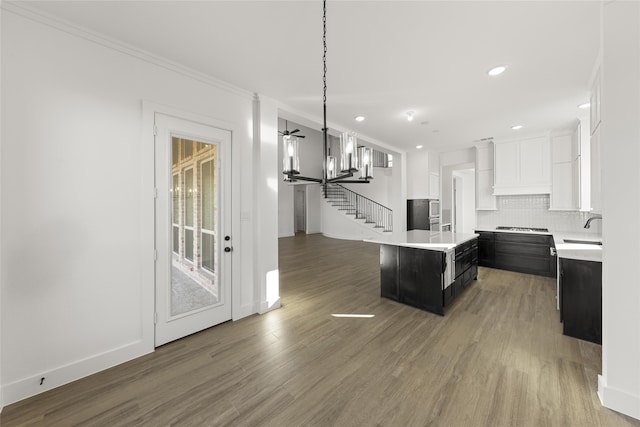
523,264
466,278
466,261
525,249
539,239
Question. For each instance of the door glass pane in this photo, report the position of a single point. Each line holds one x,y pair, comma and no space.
194,207
188,202
208,209
175,200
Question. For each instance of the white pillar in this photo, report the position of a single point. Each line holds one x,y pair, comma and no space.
619,384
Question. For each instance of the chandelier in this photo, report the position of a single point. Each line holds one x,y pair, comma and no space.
352,157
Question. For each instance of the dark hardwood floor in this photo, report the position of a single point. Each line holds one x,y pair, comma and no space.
497,358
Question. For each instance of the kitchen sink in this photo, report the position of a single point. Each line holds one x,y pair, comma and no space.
583,242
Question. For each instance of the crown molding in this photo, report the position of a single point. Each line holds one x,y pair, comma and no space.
30,12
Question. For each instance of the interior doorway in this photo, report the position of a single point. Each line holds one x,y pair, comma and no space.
300,209
463,198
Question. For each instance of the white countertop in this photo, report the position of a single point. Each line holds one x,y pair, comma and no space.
424,239
493,230
586,252
580,251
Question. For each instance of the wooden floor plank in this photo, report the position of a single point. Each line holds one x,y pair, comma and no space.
497,358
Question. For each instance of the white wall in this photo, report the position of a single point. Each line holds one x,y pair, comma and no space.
467,155
76,252
264,211
1,236
619,384
418,175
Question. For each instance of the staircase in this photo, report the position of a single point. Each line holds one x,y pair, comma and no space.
361,208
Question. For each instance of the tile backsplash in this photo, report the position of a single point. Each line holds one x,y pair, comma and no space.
533,211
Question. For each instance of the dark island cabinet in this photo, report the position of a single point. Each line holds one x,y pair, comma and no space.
416,277
581,299
389,271
520,252
420,278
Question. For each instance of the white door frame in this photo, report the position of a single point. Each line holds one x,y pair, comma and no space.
147,231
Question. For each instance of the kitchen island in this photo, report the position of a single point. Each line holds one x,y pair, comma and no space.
427,269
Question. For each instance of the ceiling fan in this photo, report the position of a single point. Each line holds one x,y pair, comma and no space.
287,132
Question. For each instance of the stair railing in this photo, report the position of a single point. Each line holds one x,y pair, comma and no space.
362,207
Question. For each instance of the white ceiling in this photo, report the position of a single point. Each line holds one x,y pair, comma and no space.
384,58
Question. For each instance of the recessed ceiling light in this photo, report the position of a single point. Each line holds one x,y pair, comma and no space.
497,70
418,146
516,127
585,105
409,116
359,118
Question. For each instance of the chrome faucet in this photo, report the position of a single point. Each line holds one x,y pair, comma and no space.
588,224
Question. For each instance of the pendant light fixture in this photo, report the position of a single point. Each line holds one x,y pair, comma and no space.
352,157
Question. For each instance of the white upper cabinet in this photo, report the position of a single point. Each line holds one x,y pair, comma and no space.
596,197
485,200
522,166
507,161
565,168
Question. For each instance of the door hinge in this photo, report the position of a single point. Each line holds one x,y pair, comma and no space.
155,318
155,255
155,130
155,192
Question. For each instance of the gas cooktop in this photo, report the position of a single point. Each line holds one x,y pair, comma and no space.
541,230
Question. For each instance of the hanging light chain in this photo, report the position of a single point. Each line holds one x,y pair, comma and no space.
324,54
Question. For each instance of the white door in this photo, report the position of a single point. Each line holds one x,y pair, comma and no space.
193,225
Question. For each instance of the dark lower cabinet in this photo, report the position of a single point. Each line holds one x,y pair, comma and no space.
581,299
416,276
486,249
420,278
389,271
524,253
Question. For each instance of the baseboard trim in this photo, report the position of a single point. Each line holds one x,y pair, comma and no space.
346,237
266,306
618,400
28,387
245,311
